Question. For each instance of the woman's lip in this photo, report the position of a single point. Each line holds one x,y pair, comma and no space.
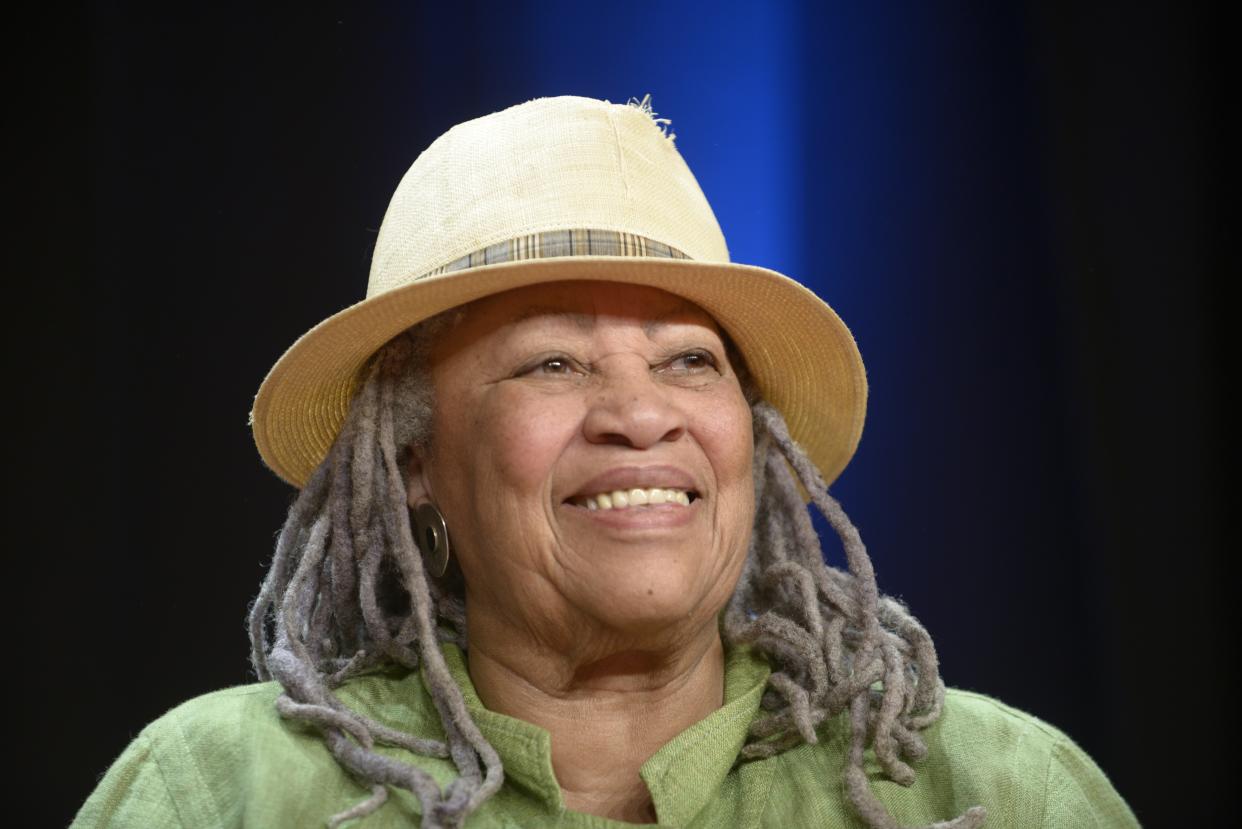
638,477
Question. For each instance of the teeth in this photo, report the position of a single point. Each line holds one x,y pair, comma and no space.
622,498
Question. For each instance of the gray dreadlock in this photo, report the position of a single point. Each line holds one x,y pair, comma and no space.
347,593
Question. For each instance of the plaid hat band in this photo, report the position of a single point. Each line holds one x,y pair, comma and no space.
555,243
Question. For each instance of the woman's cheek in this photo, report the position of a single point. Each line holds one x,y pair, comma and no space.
526,434
727,436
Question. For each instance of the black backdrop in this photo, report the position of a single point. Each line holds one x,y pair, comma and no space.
1015,209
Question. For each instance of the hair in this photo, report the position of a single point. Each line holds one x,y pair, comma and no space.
347,593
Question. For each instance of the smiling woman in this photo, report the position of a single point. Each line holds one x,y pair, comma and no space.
551,562
536,416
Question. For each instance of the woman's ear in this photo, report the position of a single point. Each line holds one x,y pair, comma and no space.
417,489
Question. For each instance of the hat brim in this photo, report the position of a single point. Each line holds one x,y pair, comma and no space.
801,354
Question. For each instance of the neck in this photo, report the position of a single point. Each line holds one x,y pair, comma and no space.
607,714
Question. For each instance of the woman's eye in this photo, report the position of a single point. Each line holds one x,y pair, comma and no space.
693,362
551,366
555,366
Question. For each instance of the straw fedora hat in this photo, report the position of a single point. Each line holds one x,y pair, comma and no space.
558,189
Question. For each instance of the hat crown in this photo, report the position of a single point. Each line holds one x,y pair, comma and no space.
549,164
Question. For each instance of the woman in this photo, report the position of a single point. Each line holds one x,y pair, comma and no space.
551,562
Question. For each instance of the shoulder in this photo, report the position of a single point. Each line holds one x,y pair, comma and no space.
223,720
226,758
980,752
987,721
1030,771
168,774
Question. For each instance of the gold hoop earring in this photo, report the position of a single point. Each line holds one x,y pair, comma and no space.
431,536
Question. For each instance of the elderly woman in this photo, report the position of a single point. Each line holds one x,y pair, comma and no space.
551,563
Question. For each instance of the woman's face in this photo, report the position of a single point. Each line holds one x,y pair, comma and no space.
548,397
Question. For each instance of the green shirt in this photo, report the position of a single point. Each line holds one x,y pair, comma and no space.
227,759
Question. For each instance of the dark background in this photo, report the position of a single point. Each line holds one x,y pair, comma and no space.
1014,207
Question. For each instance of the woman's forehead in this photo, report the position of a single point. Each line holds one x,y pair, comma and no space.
581,305
576,308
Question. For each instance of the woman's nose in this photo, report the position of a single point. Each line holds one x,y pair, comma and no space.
630,407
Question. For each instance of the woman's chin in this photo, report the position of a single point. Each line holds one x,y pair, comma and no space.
653,613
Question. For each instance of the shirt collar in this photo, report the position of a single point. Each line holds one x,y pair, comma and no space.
682,776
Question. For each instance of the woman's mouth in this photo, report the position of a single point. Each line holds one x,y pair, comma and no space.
620,499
